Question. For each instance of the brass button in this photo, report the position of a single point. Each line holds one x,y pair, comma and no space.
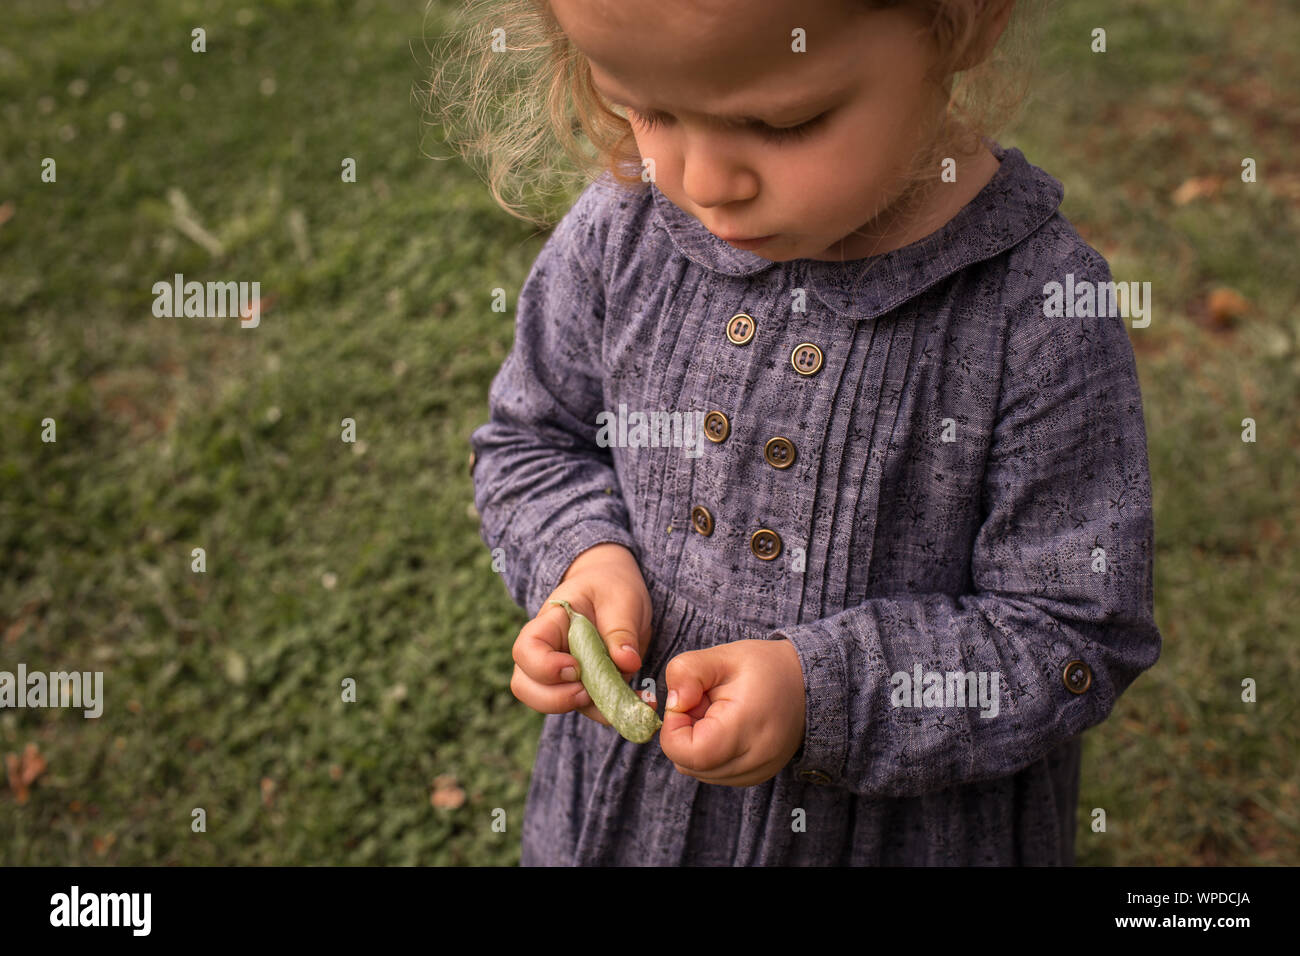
806,358
702,520
740,328
716,427
814,776
1077,676
779,452
765,544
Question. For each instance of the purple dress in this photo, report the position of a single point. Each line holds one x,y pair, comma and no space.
909,468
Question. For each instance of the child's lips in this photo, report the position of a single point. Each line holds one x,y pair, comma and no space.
749,243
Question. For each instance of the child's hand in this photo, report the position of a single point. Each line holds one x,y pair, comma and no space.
605,584
735,712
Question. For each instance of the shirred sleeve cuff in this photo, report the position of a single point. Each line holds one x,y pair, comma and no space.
821,758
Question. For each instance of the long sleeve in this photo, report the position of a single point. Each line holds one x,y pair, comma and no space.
1061,573
544,489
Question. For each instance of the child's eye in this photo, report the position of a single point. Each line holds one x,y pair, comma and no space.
648,120
791,132
654,120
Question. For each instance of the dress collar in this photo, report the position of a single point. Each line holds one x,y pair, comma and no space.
1014,203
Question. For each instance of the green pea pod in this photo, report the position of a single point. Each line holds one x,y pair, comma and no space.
617,702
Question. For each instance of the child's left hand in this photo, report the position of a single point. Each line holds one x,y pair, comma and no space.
735,712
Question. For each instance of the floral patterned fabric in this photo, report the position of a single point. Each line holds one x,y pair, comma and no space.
962,492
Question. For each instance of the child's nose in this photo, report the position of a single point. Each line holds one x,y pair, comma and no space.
715,175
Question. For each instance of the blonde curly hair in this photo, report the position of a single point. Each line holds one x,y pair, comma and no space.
517,119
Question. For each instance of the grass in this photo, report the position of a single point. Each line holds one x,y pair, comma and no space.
328,561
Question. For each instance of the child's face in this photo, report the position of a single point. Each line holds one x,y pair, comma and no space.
861,86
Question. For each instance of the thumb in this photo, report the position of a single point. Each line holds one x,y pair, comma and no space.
689,676
617,623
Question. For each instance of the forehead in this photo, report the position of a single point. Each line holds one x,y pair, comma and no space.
730,55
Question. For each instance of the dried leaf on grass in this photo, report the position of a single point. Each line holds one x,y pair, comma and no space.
1199,187
24,770
1227,306
446,792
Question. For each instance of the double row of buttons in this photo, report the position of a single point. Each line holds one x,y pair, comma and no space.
765,543
779,451
806,358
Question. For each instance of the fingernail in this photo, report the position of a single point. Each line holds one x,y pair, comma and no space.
568,674
629,647
672,700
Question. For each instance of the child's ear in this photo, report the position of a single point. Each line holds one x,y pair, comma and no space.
992,17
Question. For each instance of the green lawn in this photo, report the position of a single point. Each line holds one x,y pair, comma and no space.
328,560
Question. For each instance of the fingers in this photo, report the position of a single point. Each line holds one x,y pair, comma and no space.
689,676
546,675
701,730
618,620
705,745
555,698
548,698
741,772
541,649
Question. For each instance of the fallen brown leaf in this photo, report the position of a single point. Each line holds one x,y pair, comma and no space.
15,630
264,304
24,770
104,843
446,793
1200,187
1226,307
26,615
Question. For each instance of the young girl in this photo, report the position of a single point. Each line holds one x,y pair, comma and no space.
900,555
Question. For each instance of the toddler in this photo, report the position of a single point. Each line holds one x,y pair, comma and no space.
786,416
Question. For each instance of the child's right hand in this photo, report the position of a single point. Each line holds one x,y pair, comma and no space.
605,584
